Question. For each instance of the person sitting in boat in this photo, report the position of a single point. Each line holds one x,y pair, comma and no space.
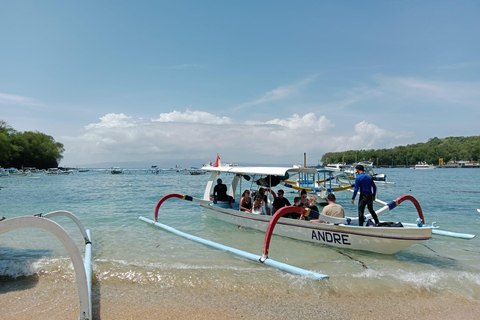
312,203
303,199
313,214
263,196
294,215
246,202
220,193
259,206
280,201
332,209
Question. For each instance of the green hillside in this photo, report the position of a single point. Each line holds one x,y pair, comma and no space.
450,149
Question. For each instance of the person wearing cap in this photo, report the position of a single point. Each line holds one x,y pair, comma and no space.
368,191
332,209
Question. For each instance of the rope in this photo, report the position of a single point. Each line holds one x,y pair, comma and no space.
356,260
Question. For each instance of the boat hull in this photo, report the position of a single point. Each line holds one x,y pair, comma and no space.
386,240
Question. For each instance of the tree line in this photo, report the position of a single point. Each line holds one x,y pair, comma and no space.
28,149
449,149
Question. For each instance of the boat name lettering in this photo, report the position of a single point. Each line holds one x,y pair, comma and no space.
326,236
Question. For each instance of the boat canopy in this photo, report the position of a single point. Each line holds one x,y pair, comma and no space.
273,171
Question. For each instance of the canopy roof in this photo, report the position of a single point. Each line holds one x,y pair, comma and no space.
275,171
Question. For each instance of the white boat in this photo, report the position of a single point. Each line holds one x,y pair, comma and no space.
337,232
154,170
424,165
13,172
56,171
335,166
3,173
350,174
116,170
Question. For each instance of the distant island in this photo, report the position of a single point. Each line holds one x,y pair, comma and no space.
435,151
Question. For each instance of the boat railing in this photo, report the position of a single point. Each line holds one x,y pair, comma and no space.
82,267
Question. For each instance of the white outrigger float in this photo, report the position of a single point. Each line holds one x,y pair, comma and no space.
82,266
341,233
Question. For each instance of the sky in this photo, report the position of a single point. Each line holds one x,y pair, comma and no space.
253,81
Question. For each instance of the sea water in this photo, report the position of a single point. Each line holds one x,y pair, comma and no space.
127,250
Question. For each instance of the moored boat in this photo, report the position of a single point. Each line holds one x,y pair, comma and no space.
335,166
3,173
350,173
337,232
423,166
116,170
14,172
154,169
197,172
57,171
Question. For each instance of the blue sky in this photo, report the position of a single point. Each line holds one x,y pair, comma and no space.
254,81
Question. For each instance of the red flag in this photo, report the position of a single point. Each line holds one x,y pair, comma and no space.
217,161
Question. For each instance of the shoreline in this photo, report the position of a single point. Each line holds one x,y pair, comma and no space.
32,298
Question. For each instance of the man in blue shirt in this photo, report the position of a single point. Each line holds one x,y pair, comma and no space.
365,183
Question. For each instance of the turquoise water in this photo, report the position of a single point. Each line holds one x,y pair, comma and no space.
127,250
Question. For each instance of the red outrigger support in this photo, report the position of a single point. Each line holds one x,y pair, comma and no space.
268,235
392,204
168,196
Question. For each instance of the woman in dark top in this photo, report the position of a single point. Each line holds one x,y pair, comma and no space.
246,202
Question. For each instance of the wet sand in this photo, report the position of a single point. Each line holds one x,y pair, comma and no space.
29,298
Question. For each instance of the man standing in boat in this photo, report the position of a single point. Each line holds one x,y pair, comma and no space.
368,192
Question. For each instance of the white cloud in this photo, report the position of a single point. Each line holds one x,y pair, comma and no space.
6,98
279,93
181,135
408,94
308,122
467,94
417,91
112,120
192,117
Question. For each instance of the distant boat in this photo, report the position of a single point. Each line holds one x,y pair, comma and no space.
350,173
14,172
116,170
154,169
56,171
424,165
197,172
335,166
3,173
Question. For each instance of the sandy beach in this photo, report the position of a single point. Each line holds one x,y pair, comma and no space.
31,298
